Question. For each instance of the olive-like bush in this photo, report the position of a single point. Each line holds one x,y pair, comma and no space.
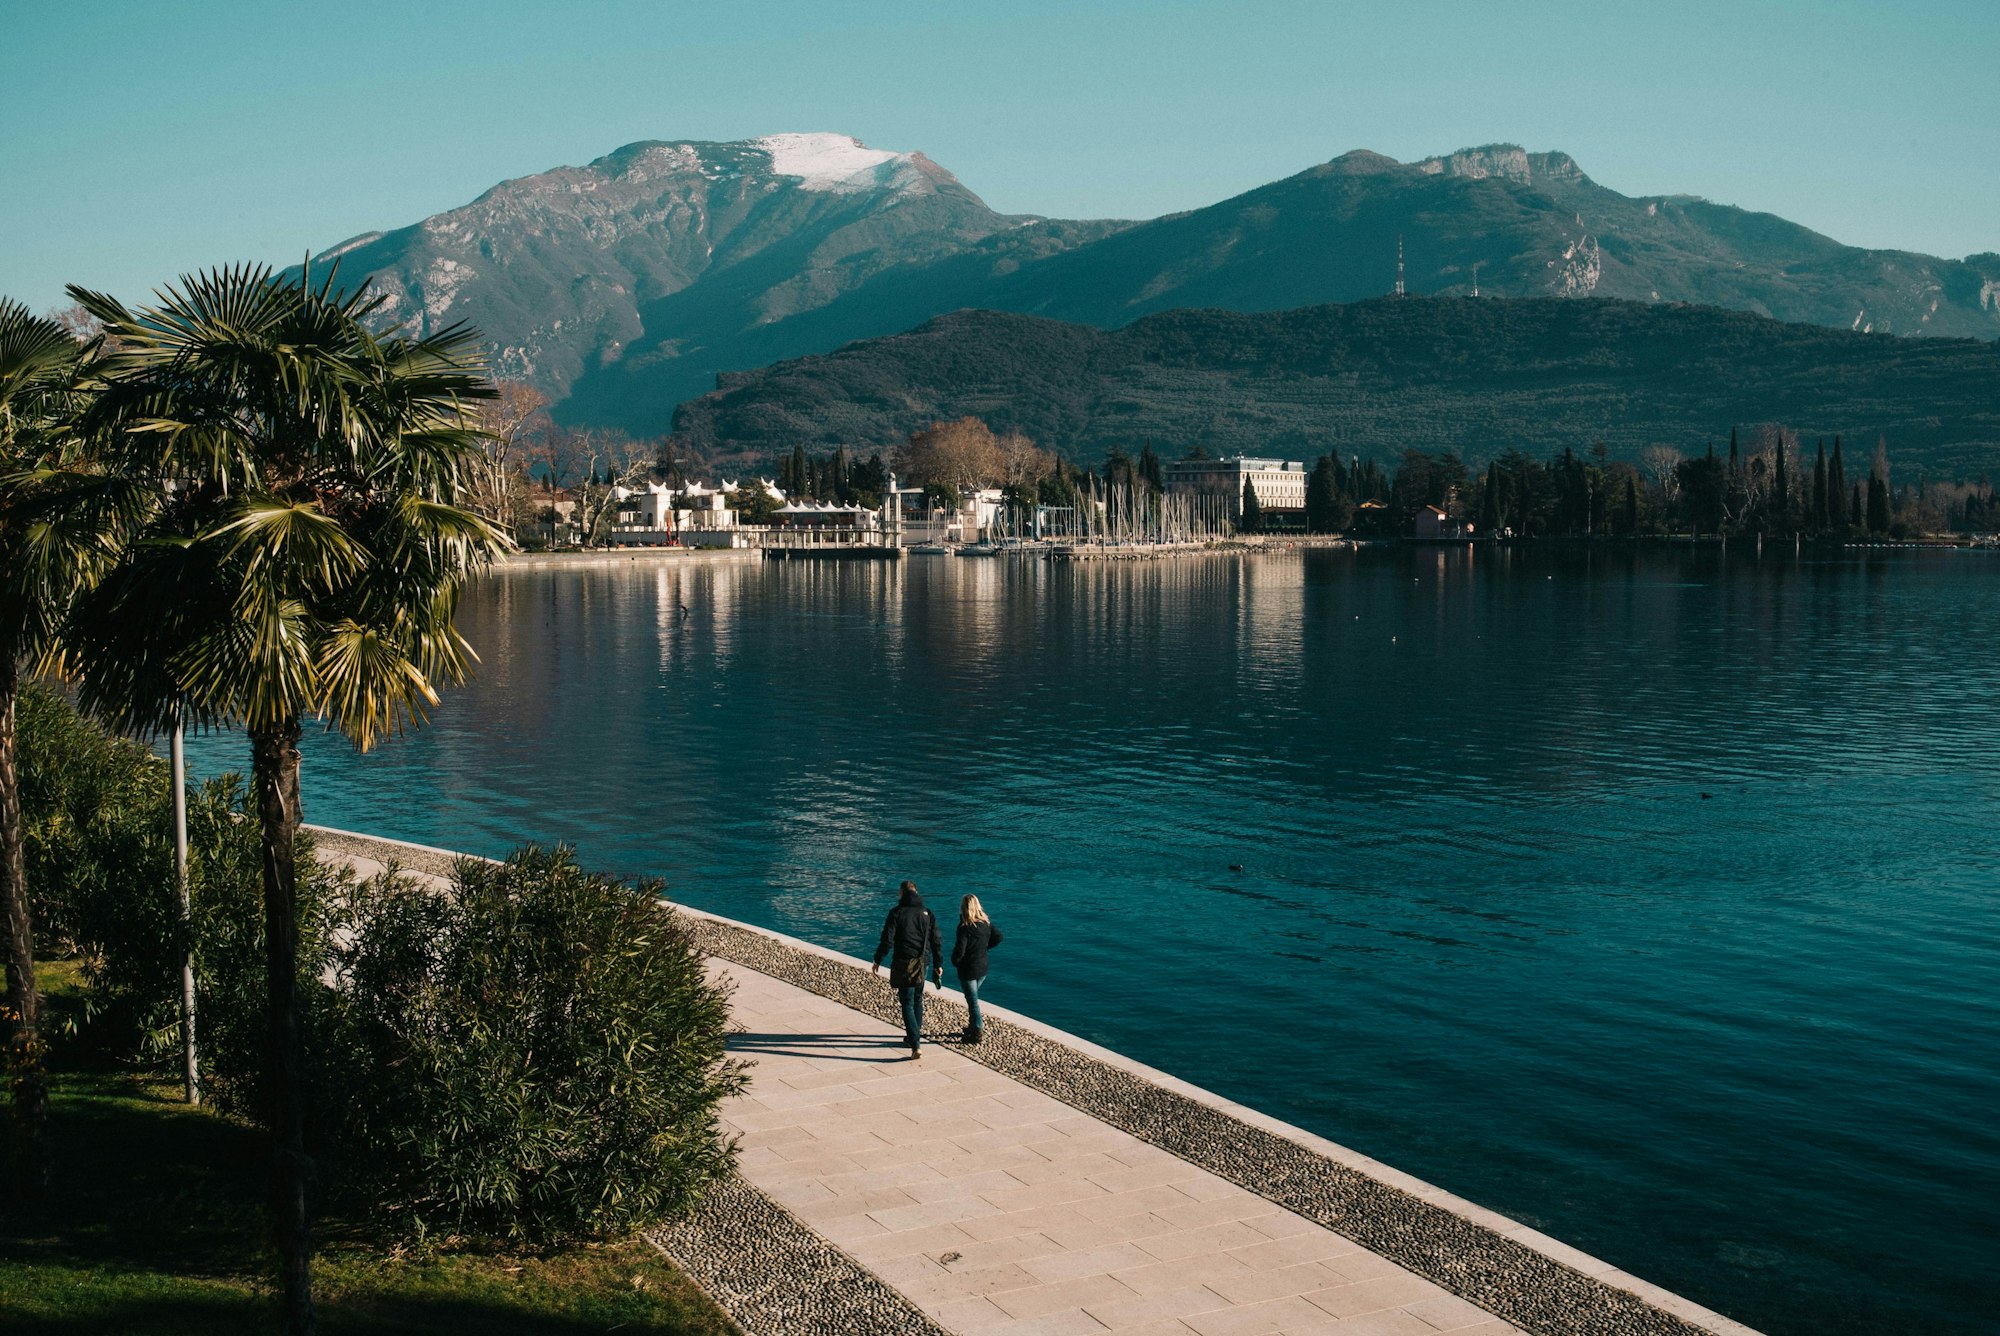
537,1053
97,813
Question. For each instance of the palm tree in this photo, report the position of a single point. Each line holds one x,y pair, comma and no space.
303,556
39,363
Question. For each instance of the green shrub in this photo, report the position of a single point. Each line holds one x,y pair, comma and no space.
97,812
226,892
537,1054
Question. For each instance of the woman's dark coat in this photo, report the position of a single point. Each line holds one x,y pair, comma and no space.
968,949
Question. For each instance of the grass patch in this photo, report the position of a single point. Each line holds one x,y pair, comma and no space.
156,1225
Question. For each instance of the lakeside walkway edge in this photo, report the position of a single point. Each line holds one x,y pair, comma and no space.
825,1022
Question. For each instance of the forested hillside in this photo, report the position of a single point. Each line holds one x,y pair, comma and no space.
1371,379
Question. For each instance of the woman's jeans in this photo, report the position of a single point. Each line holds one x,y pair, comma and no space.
971,987
913,1014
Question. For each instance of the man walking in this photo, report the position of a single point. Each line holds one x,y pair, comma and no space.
909,936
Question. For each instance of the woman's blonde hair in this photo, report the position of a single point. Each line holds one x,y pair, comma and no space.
970,910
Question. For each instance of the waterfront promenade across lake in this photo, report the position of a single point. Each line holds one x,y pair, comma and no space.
1031,1185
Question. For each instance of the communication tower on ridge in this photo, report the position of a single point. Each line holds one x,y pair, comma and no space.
1475,278
1399,264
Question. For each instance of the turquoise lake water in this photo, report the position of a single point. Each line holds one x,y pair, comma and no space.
1653,900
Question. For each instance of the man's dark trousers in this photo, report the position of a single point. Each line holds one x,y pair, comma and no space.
913,1013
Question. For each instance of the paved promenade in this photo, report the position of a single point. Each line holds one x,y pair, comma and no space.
1040,1184
996,1209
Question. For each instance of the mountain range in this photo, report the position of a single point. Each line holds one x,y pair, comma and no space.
625,287
1374,378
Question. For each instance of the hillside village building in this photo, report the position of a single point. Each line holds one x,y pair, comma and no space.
1280,484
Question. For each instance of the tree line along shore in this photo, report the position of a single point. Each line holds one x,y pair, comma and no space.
1762,482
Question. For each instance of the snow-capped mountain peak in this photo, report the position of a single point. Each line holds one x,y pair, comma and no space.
838,164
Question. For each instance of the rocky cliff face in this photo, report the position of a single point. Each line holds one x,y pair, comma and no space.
1508,161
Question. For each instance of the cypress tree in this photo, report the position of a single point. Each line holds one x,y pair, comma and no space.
1878,489
1836,488
1781,498
1819,489
1253,511
801,472
1854,511
1322,494
1631,507
1149,468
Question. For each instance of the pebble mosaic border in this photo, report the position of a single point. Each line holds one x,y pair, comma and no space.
775,1277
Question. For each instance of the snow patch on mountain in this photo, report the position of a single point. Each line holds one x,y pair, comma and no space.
839,164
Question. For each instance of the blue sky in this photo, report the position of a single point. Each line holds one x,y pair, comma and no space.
143,139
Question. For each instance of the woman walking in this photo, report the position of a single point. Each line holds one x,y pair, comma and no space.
976,935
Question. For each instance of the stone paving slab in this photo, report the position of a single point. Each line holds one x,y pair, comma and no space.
1000,1211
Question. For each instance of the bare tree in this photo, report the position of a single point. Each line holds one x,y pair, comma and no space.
1022,462
78,323
507,424
1662,464
962,454
589,462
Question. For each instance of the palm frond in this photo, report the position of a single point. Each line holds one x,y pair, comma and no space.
370,685
288,542
310,550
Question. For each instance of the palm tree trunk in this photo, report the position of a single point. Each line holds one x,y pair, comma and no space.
275,764
24,1003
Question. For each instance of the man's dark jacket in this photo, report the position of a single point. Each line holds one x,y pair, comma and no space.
911,933
968,951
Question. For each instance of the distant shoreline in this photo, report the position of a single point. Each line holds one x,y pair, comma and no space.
623,556
1254,546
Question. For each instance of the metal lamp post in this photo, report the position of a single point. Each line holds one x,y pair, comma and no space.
190,1074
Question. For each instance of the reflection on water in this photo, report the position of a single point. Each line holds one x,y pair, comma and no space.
1650,900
